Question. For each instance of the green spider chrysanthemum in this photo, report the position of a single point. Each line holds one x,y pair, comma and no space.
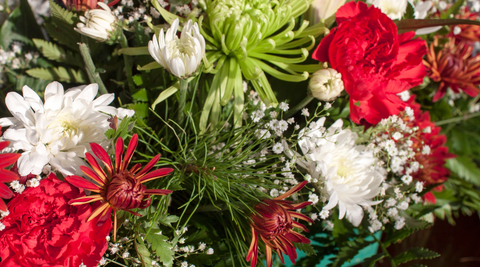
242,36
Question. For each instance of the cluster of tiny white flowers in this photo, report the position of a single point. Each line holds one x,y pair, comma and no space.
394,137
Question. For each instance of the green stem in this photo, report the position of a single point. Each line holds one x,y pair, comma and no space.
128,63
182,99
458,119
298,107
93,75
384,249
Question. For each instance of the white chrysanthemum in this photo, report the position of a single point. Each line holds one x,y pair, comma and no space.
98,24
347,171
57,132
394,9
181,57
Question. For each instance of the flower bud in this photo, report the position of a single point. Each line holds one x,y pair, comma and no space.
180,56
323,9
99,24
326,84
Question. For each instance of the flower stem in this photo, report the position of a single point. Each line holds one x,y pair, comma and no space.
384,249
93,75
458,119
128,63
298,107
182,99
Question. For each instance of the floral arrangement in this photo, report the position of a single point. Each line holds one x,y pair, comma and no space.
234,133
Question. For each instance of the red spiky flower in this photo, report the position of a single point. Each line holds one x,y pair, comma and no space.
433,170
118,188
468,33
454,67
274,222
6,176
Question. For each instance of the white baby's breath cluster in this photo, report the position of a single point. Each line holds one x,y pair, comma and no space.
392,141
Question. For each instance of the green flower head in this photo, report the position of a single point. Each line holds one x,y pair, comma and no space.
248,38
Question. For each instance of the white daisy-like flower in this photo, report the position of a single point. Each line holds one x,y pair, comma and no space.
59,131
180,56
346,170
99,24
277,148
394,9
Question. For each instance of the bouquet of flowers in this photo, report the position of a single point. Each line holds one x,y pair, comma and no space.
234,132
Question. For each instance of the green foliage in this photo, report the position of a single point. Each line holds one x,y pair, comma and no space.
307,248
349,250
61,25
20,26
123,129
465,168
370,261
414,254
454,9
161,247
58,74
57,53
143,253
399,235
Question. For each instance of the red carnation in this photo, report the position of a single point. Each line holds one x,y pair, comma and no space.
376,63
6,176
433,170
44,230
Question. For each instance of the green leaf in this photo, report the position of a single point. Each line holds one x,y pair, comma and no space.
143,253
454,9
20,26
414,254
58,74
134,51
168,220
403,233
162,248
56,53
347,252
61,13
141,109
125,126
465,168
169,17
140,95
307,248
370,261
410,12
150,66
166,94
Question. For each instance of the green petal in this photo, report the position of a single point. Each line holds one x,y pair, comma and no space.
269,57
232,80
294,68
264,90
280,75
207,107
264,46
249,70
238,101
304,25
299,42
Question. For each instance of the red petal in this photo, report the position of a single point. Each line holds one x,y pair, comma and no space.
301,217
4,144
95,166
103,156
158,192
98,210
130,149
156,174
149,165
83,183
8,159
3,207
7,176
118,154
269,256
253,250
85,200
90,173
5,192
292,190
